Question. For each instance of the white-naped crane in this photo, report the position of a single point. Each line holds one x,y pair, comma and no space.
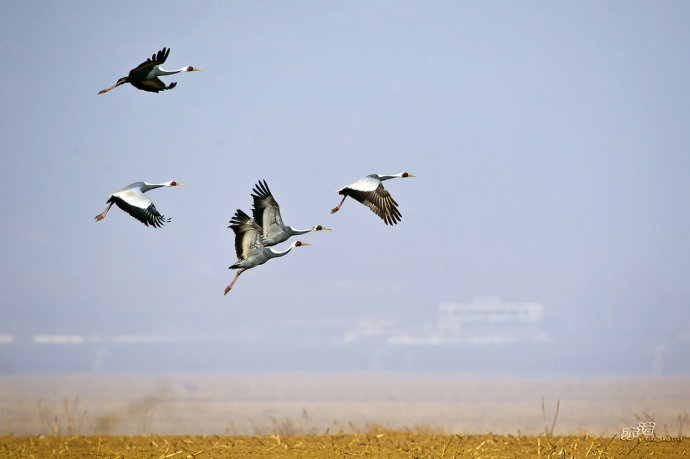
370,191
266,212
145,75
250,247
132,200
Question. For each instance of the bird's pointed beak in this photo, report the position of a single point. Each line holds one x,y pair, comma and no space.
410,175
327,229
179,184
194,69
305,243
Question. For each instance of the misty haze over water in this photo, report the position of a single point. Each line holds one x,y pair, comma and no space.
483,336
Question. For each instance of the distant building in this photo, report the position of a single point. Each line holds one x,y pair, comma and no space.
487,310
371,328
481,321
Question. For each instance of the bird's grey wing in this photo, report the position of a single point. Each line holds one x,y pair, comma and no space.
248,240
148,215
266,211
380,202
254,245
152,85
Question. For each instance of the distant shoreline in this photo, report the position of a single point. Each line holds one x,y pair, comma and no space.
238,404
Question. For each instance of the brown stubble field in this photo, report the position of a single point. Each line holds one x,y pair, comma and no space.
338,415
374,444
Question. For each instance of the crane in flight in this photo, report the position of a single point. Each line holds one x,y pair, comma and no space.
266,212
145,75
249,246
132,200
370,191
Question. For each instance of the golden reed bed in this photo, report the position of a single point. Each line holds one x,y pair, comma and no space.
374,444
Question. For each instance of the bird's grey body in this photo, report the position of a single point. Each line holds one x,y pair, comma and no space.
266,213
249,246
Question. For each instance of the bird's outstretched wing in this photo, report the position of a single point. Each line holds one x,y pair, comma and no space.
248,240
379,201
142,210
152,85
161,56
266,211
156,59
141,71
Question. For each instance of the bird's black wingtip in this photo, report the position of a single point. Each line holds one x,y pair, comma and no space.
239,218
261,189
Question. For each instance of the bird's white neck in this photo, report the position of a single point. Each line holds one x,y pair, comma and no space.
161,71
276,253
295,231
151,186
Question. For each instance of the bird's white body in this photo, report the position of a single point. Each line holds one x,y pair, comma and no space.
368,183
132,200
370,191
133,194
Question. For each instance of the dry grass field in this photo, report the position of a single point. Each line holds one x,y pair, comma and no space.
338,415
375,444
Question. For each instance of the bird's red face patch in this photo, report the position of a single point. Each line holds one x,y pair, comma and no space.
190,68
173,183
298,243
405,174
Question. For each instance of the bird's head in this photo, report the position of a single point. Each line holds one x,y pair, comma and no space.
192,69
173,183
321,228
405,175
299,244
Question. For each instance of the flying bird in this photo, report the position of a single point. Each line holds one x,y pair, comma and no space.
132,200
145,75
249,245
266,212
370,192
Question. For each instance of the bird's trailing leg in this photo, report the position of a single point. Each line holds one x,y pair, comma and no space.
112,87
337,208
239,271
101,216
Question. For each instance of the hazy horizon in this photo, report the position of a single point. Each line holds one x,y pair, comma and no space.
308,403
550,208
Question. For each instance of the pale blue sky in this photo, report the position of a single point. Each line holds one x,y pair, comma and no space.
550,141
